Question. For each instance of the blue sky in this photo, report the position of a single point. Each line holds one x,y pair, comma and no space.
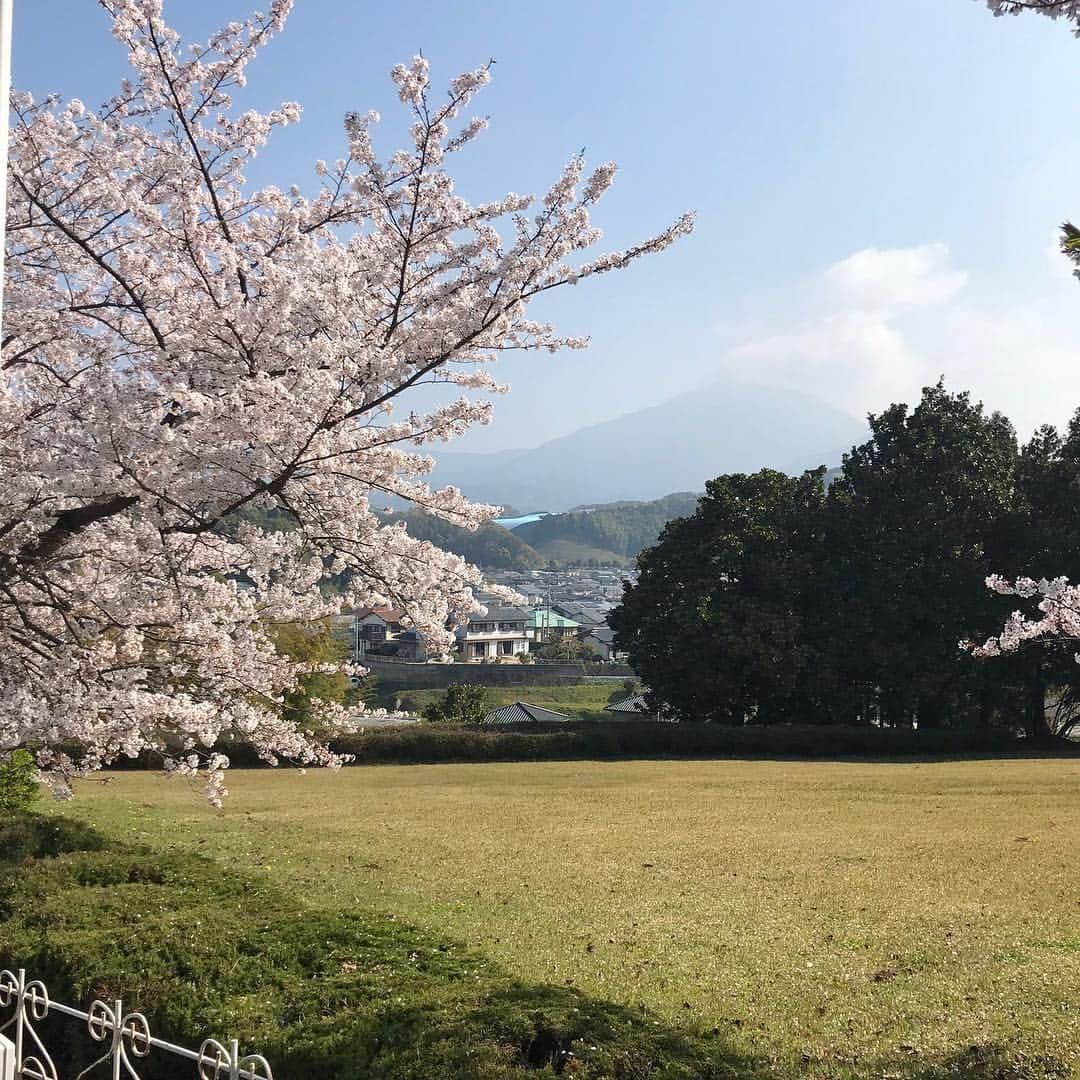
877,184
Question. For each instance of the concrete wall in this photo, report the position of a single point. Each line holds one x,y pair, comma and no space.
393,676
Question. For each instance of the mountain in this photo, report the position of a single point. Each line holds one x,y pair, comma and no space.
674,446
613,532
491,546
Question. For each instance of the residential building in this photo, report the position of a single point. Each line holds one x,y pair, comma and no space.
411,646
635,703
602,640
499,635
545,624
368,629
587,613
375,624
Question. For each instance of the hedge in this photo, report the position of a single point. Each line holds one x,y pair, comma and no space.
646,739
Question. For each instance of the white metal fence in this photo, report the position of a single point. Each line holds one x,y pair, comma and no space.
123,1039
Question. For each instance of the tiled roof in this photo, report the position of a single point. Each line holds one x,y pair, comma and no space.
388,614
500,614
521,712
586,615
603,633
635,704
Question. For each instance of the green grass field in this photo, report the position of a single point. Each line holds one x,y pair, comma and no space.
583,699
823,917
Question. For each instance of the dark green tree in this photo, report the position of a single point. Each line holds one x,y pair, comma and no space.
914,528
565,647
716,624
776,602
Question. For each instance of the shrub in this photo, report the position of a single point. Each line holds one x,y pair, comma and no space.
628,689
604,737
462,703
18,782
24,835
599,735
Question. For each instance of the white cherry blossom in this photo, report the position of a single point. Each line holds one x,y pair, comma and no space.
181,350
1059,614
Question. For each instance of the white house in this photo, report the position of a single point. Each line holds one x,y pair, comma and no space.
498,635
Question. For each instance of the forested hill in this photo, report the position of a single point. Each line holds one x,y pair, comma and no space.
619,529
490,546
609,532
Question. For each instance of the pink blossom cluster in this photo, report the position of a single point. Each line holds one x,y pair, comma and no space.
181,351
1059,619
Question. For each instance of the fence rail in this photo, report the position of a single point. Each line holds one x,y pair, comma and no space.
124,1037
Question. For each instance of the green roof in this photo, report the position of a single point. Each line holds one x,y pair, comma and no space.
545,619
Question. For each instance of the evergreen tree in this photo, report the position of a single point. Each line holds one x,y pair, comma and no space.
714,625
777,602
914,519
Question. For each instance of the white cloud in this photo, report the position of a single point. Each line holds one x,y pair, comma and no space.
879,325
856,356
891,280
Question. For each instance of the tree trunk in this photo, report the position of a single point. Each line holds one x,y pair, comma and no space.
1035,705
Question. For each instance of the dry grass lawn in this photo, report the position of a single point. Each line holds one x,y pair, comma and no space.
819,914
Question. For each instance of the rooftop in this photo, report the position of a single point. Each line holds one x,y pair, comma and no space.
499,614
388,614
545,618
521,712
634,704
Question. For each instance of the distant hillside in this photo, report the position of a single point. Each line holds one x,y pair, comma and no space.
616,530
674,446
490,546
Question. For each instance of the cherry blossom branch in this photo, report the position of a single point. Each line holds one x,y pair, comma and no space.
181,351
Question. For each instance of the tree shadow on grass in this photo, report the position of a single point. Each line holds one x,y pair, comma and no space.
342,996
514,1031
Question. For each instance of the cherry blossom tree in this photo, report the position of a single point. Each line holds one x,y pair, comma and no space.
1057,602
181,351
1056,624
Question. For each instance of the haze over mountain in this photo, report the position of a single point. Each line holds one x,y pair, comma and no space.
674,446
